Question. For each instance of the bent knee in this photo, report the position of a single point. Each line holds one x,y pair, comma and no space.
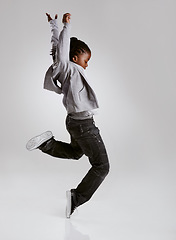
78,156
106,169
102,170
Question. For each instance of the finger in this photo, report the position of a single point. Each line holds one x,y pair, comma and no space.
48,15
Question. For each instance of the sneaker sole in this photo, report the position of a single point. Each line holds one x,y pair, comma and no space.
36,141
68,207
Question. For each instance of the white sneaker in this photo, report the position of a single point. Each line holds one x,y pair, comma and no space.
35,142
70,205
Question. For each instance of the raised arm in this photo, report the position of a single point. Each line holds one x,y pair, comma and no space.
60,43
63,47
54,36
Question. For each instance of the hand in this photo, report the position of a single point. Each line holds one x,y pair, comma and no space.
49,17
66,18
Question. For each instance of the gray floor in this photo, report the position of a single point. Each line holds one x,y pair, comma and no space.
126,206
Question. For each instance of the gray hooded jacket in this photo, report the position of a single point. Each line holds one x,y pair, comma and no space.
67,78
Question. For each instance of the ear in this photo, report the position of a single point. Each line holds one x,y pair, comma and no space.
75,59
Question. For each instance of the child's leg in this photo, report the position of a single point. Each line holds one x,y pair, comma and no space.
87,136
61,149
47,144
94,148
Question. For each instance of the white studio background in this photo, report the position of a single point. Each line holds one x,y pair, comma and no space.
133,73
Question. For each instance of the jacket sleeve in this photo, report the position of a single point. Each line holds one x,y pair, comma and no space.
63,46
54,39
49,82
60,42
62,65
54,31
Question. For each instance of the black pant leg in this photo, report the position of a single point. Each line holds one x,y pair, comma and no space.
87,136
62,150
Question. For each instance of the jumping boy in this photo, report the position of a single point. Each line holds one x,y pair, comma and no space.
66,76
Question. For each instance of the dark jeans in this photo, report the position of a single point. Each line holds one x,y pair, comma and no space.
85,139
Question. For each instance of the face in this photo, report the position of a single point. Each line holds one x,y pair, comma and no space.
82,59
